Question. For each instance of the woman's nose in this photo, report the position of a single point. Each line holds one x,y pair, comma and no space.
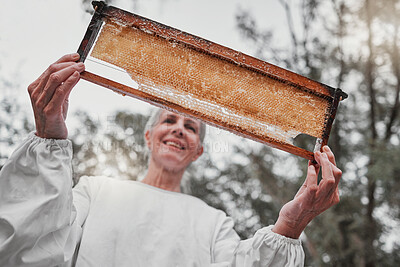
178,129
178,132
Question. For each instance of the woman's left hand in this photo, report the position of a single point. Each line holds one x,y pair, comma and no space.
312,198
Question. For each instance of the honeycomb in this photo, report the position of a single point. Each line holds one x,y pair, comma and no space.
234,96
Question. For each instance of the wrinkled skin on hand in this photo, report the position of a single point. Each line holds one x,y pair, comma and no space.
312,198
49,96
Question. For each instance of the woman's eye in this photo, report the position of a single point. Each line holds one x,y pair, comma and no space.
191,128
169,121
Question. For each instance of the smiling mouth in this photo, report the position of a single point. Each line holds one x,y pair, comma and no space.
173,144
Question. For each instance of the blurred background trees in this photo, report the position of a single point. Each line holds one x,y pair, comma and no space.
14,123
353,45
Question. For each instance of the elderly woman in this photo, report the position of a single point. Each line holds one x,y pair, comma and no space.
109,222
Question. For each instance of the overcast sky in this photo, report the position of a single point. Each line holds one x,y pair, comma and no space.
33,34
36,33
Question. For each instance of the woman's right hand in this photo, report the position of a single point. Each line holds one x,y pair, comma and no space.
49,96
313,198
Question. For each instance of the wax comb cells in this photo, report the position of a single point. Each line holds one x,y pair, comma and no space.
216,84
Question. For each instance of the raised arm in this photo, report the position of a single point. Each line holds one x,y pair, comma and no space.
312,199
38,224
278,245
49,96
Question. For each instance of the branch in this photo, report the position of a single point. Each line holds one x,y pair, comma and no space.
396,70
369,73
339,10
291,30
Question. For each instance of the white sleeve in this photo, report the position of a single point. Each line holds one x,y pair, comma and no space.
265,248
37,218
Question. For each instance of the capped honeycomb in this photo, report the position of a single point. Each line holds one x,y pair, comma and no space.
234,96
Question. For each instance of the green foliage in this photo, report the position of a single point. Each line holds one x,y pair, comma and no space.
365,137
116,149
14,126
14,123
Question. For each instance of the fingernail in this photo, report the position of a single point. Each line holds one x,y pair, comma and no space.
81,66
326,148
75,55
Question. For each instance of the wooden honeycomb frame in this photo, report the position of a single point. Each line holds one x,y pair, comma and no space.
252,119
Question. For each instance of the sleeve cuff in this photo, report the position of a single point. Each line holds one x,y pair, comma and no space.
59,142
282,239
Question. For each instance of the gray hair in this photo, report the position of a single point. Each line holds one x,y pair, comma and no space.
155,119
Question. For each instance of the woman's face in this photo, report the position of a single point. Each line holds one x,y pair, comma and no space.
174,142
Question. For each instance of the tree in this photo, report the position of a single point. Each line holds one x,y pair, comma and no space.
382,82
14,123
365,134
116,149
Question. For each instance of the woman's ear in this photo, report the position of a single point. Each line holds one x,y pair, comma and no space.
199,153
147,137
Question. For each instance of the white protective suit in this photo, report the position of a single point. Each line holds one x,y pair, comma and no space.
110,222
